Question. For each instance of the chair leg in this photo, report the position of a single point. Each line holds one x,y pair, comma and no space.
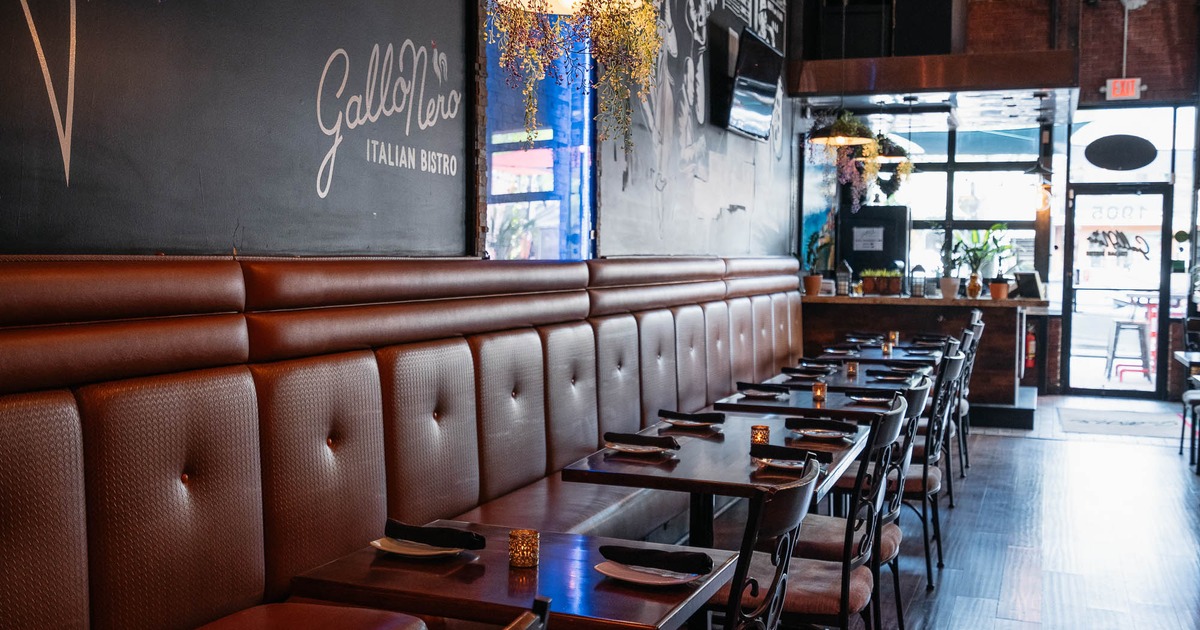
894,565
948,477
865,613
1183,429
963,461
937,532
925,537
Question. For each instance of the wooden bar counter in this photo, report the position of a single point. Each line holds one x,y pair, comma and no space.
1001,352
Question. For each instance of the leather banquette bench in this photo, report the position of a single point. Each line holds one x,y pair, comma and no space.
179,437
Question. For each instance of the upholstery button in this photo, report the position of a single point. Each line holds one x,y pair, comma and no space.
514,394
329,441
437,415
572,380
183,478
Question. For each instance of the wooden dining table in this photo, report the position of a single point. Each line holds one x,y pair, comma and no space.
837,405
716,462
839,381
875,355
481,586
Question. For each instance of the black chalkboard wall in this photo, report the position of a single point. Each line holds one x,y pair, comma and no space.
205,126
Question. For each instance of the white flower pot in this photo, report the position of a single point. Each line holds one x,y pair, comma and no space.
949,288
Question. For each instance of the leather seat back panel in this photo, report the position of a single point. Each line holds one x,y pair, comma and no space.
510,397
609,301
746,287
43,522
321,424
608,272
175,535
764,337
691,358
783,331
618,373
717,350
62,356
796,335
741,339
292,334
572,427
750,266
656,343
431,440
32,293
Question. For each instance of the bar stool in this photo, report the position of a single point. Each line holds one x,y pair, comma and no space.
1143,333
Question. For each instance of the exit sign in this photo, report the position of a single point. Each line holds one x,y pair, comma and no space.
1123,89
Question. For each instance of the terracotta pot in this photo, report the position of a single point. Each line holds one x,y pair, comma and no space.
999,290
949,288
870,285
894,286
974,286
812,284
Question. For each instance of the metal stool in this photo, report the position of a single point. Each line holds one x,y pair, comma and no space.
1142,329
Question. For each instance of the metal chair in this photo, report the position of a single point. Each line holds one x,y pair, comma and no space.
536,618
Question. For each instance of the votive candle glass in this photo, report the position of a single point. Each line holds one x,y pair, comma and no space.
523,548
760,434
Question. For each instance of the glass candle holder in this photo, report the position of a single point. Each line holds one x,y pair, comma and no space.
760,434
820,388
523,548
886,348
893,336
852,369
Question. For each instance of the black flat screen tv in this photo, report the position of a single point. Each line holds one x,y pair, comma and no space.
755,78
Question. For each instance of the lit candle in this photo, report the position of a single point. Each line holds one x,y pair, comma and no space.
893,336
852,369
886,348
760,434
819,390
523,547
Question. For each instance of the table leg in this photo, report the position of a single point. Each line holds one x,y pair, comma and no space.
700,520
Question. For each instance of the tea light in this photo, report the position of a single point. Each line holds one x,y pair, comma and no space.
886,348
893,336
760,434
819,390
523,548
852,369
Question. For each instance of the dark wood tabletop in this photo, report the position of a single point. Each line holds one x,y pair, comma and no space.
838,381
899,356
480,585
714,462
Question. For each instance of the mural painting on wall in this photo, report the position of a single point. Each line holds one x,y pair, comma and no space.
691,186
214,127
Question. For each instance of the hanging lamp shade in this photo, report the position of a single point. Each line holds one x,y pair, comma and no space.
889,152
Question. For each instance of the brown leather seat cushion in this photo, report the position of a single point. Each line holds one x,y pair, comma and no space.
551,504
912,480
824,538
296,616
814,587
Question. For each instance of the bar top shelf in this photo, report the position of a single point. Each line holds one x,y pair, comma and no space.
895,300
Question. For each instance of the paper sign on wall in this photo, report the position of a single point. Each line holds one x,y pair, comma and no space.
868,239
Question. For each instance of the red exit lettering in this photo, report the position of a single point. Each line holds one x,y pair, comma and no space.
1123,89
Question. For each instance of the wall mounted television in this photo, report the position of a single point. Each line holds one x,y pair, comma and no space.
755,80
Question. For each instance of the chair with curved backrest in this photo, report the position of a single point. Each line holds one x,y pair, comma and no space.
754,598
953,345
821,537
924,479
1191,396
536,618
962,418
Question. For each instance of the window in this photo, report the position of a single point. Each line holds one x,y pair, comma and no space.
540,199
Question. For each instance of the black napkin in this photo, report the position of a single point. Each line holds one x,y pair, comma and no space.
843,346
677,561
435,536
712,417
865,334
802,382
809,362
633,439
763,387
807,371
814,423
930,337
889,373
770,451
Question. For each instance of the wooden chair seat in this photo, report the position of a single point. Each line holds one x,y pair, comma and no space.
824,537
813,587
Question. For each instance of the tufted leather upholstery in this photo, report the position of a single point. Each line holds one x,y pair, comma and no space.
43,578
235,422
430,438
783,332
572,428
691,357
618,383
510,398
656,353
321,424
175,535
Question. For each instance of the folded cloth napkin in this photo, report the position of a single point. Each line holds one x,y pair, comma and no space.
870,392
712,417
633,439
889,373
770,451
810,362
435,536
807,371
865,334
763,387
843,346
930,337
676,561
802,382
797,424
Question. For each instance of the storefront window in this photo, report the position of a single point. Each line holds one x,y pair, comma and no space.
996,196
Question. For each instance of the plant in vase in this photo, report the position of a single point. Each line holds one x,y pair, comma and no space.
998,287
979,248
816,255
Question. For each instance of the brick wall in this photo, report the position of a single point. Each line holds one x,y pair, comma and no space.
1162,48
1007,26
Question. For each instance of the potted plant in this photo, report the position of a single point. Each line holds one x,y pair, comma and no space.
978,249
998,287
891,282
815,254
871,281
948,283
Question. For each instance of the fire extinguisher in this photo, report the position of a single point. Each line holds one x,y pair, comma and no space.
1030,347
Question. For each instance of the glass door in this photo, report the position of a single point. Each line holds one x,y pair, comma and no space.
1116,288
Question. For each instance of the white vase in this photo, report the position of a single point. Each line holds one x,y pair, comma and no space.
949,288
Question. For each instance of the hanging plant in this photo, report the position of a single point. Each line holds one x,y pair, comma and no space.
619,36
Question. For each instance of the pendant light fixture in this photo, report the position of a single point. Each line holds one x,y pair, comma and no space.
845,130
